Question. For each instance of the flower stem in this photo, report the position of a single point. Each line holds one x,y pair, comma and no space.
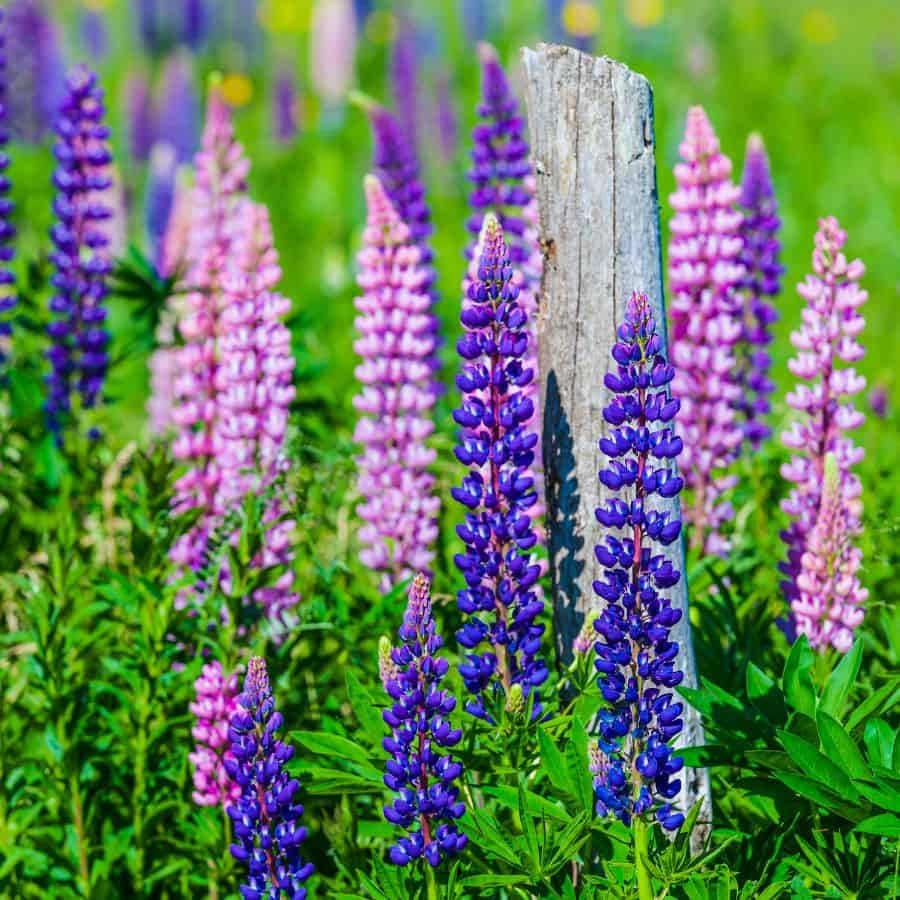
431,888
644,884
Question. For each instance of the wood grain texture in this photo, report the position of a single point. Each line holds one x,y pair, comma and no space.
591,127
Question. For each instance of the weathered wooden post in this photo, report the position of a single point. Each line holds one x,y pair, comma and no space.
591,125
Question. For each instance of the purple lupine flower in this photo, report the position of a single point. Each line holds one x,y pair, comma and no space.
878,401
419,769
178,106
284,106
504,184
829,603
827,336
94,33
266,818
761,281
404,76
140,113
213,708
704,273
78,356
159,196
196,23
396,345
148,27
497,446
477,18
446,119
636,660
7,230
37,82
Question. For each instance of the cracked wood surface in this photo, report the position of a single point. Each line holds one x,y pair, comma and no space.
591,126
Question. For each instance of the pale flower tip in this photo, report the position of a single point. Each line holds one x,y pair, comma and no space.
487,53
755,143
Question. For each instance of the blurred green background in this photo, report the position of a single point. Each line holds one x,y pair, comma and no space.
820,81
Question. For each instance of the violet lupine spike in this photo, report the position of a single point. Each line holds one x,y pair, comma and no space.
213,708
761,282
396,345
285,104
7,230
159,196
497,446
704,274
78,355
827,337
504,184
178,106
266,818
405,76
420,769
140,113
636,659
829,603
220,183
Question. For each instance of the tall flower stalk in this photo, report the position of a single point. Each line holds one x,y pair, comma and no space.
636,658
704,275
7,229
266,817
396,346
497,445
761,282
827,337
81,259
420,769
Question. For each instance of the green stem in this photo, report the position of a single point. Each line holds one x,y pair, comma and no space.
644,884
140,775
81,838
431,888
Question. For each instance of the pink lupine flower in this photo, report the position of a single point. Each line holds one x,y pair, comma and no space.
215,703
395,344
333,49
827,337
828,604
704,271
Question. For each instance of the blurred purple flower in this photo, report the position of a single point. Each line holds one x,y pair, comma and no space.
140,116
404,75
284,106
447,122
878,401
94,33
196,23
159,196
178,105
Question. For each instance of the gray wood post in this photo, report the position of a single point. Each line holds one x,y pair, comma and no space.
591,126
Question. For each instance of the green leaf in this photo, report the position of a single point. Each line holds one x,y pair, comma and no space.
840,747
886,824
816,765
797,678
365,709
881,701
334,745
494,880
882,795
535,804
577,764
554,764
528,829
810,789
879,741
764,694
840,683
333,781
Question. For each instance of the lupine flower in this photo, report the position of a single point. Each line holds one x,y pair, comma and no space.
333,50
636,659
196,23
160,195
878,401
7,230
147,25
396,345
174,244
140,114
77,355
503,184
284,107
420,770
266,818
215,704
704,273
829,601
827,336
405,77
447,125
497,446
94,33
37,82
178,107
761,281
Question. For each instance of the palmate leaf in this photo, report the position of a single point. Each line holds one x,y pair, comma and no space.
841,681
333,745
816,766
884,824
879,739
840,747
797,681
366,710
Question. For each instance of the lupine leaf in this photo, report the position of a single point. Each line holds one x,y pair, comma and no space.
553,763
797,680
840,682
814,764
839,746
885,824
879,741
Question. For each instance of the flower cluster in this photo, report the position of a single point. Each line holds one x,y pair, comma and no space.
81,262
761,281
636,659
827,336
829,601
419,770
7,230
396,344
215,704
266,818
704,273
497,445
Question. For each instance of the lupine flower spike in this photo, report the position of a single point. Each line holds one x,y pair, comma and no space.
420,769
829,601
396,345
636,659
215,704
266,817
7,230
704,273
827,337
81,262
497,445
761,282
